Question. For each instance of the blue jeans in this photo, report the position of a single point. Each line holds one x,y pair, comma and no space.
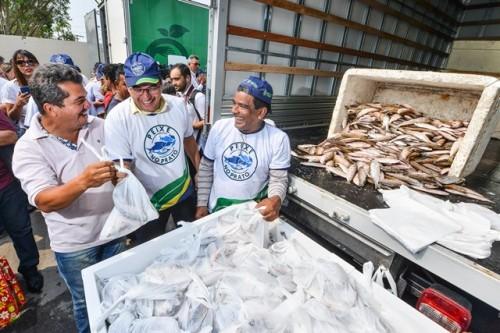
70,267
15,219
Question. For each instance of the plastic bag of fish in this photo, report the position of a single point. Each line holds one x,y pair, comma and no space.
232,275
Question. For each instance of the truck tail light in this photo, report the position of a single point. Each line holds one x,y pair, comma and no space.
445,307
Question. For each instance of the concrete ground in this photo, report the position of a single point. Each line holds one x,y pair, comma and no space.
50,311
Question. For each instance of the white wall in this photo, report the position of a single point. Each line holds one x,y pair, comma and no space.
44,48
116,31
475,56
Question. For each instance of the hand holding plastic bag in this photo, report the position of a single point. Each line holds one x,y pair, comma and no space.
132,205
132,208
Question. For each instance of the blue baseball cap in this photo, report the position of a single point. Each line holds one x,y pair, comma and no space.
61,58
99,72
259,89
141,68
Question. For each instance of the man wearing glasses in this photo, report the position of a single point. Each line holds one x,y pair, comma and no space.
152,132
194,67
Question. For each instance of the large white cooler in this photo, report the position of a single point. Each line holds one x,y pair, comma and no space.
403,317
449,96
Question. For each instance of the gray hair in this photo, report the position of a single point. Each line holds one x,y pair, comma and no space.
44,84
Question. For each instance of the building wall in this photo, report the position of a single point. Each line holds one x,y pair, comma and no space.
43,48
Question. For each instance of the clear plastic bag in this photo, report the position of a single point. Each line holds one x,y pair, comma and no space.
155,325
132,207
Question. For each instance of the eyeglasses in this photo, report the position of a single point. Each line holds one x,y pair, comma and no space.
25,63
149,89
196,63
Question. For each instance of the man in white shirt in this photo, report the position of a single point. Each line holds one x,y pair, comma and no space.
180,76
94,92
153,133
245,158
194,66
65,180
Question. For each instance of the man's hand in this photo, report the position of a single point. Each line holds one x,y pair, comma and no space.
270,208
98,103
97,174
201,212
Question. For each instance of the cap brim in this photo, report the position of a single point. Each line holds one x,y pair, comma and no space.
153,80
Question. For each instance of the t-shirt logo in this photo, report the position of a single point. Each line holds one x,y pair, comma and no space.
162,144
239,161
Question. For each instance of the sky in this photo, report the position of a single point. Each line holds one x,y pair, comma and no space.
77,11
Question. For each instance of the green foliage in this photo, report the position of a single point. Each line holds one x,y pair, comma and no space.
36,18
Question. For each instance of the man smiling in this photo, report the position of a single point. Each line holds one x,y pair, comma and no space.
65,180
151,132
245,158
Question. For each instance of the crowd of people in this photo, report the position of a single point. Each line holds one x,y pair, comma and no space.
53,119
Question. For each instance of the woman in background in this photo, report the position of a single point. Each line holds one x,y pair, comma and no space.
15,93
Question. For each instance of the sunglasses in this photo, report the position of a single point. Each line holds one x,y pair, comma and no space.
148,89
25,63
196,63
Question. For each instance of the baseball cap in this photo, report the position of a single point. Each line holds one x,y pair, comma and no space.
259,89
141,68
61,58
99,72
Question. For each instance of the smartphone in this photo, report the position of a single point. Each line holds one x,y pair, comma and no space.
25,89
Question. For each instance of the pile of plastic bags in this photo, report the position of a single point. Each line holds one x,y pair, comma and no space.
233,275
418,220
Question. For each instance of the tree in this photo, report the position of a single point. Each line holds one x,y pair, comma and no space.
36,18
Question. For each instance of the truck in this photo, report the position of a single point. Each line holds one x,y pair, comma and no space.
303,48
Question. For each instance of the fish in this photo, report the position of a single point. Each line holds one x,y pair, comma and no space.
351,172
431,191
327,157
375,172
391,144
241,161
460,190
165,141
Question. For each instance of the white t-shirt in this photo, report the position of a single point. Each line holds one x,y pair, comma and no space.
10,90
2,83
199,102
93,89
242,161
31,111
155,142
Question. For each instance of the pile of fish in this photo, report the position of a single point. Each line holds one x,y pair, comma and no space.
390,145
233,275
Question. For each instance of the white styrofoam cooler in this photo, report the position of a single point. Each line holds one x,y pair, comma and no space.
403,317
466,97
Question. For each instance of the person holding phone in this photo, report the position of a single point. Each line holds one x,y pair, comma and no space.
15,93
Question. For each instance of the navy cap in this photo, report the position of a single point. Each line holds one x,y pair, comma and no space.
141,68
258,88
61,58
99,72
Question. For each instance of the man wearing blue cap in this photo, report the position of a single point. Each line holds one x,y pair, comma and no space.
94,93
153,132
245,158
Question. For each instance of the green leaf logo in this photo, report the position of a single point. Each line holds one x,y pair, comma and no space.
176,30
